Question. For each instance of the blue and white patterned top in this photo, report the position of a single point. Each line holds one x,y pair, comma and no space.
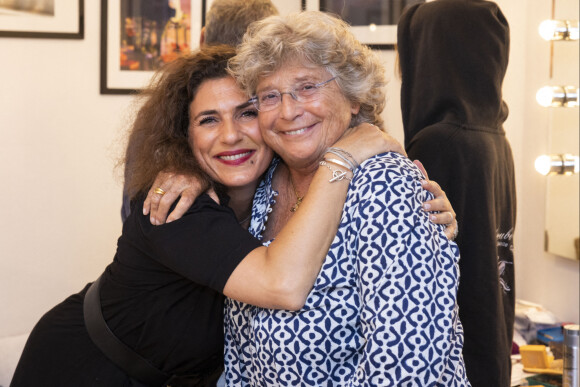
383,310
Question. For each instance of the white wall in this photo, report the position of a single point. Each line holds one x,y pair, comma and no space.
60,196
60,202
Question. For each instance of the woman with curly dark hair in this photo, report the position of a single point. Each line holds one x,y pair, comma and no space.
155,315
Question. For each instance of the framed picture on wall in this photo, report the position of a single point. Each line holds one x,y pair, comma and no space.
139,36
373,22
52,19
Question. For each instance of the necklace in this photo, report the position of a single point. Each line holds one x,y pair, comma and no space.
298,197
246,218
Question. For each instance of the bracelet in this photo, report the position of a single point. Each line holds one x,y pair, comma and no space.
338,162
347,157
351,165
346,154
337,174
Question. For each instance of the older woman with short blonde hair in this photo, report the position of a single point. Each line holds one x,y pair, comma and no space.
383,310
360,74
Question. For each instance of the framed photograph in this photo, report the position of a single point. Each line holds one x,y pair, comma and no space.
139,36
374,22
52,19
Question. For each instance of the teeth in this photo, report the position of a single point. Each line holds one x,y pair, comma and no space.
235,157
299,131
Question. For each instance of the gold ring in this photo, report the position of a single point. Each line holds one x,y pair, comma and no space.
159,191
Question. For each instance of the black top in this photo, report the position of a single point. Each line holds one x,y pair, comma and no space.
453,57
162,296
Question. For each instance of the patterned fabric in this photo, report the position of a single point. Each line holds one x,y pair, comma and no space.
383,309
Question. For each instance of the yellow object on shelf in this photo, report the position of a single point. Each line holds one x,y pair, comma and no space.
535,359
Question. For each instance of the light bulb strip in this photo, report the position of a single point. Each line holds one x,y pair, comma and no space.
558,96
561,164
565,30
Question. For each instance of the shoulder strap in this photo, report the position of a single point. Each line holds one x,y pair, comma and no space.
117,351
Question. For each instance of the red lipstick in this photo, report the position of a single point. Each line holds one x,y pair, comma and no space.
235,157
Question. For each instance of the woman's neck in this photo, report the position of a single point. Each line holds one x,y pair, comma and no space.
301,177
241,201
292,185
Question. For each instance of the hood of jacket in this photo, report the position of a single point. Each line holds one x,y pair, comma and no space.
453,55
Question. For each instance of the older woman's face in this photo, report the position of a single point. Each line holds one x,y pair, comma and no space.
224,134
300,132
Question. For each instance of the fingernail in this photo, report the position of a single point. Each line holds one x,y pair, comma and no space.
433,218
423,182
427,206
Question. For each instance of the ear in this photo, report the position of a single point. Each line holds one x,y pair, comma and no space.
202,36
354,108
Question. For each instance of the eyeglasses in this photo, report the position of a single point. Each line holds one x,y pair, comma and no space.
269,100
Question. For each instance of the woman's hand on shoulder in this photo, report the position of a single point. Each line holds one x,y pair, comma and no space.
367,140
440,208
167,188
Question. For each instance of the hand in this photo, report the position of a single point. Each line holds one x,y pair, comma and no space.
366,140
421,168
158,205
446,215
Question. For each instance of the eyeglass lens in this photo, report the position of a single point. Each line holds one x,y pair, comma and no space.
305,92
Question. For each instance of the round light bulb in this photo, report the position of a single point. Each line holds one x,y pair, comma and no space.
373,27
547,29
545,96
543,164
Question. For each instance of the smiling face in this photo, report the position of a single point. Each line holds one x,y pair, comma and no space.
301,132
224,134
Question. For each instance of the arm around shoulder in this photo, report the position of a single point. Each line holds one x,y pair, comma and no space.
281,275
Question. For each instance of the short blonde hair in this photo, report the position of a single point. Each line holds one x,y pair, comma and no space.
320,39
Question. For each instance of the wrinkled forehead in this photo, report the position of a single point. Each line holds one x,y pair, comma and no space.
290,72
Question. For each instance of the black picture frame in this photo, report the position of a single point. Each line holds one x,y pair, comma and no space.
374,23
117,77
66,21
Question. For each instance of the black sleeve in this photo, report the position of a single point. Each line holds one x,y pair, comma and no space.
205,245
125,207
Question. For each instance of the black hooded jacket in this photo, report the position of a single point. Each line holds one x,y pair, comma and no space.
453,56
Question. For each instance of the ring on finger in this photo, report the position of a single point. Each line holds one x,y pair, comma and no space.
159,191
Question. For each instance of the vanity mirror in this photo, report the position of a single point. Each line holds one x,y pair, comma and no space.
560,97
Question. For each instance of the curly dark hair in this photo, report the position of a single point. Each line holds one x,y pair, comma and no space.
159,140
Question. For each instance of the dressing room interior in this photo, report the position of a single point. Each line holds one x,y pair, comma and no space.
63,130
